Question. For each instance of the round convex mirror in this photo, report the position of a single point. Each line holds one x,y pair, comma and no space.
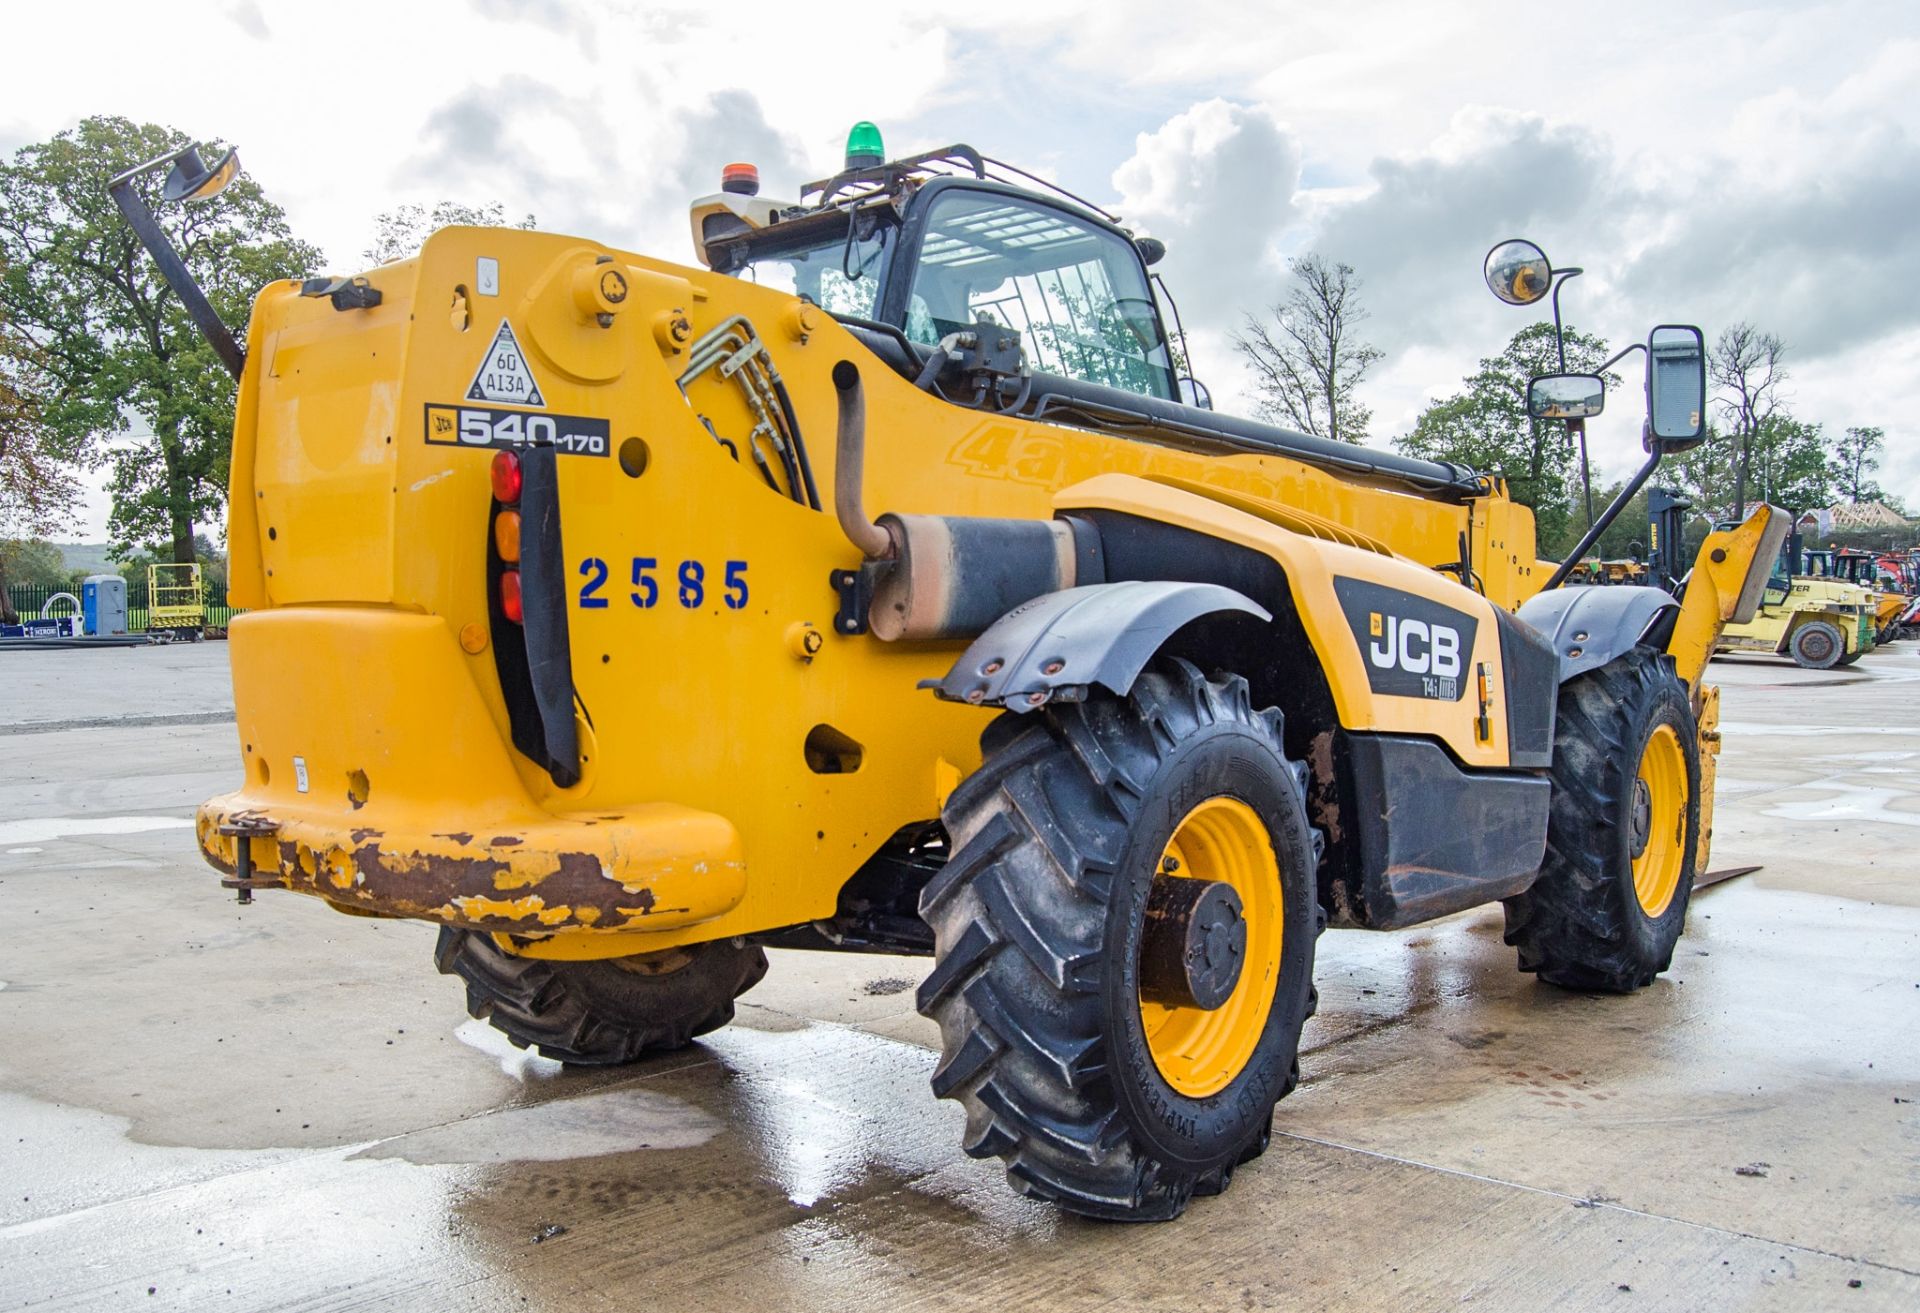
1518,273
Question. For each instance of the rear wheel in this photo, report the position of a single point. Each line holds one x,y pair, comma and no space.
1816,645
1125,938
1611,898
606,1012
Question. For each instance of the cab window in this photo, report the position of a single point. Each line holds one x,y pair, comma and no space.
1076,293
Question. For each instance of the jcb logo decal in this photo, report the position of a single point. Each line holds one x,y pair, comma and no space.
1414,647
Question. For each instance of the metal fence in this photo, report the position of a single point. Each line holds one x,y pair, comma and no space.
30,600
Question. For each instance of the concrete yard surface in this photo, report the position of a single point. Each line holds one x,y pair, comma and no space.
212,1107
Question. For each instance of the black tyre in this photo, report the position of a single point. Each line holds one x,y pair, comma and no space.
1611,898
1069,1033
1850,658
601,1013
1816,645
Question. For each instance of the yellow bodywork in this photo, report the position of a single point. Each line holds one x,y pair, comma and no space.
370,711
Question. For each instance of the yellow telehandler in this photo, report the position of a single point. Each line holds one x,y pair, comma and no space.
570,626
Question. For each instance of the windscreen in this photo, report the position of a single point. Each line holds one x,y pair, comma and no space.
1076,293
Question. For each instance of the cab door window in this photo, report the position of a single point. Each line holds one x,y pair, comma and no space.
1075,292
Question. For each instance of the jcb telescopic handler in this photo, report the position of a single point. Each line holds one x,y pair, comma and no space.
877,585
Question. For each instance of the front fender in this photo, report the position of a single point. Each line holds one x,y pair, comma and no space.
1061,644
1589,625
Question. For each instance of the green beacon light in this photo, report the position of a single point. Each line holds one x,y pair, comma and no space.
864,150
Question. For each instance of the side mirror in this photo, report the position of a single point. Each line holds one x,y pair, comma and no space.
191,180
1676,388
1194,393
1517,272
1566,396
1152,250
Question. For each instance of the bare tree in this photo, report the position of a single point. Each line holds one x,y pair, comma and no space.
1747,366
399,233
1307,359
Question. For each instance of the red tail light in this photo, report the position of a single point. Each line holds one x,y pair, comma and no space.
506,477
510,595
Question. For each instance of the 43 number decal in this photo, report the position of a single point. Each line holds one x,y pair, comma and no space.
688,581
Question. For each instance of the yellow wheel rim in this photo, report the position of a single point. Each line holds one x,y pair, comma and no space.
1658,821
1199,1052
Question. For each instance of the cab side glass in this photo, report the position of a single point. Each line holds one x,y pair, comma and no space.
1076,293
1676,387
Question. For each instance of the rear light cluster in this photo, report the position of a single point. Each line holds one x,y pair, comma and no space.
506,530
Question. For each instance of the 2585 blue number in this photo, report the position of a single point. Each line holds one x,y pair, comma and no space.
690,579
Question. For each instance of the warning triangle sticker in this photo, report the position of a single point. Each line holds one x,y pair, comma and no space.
504,374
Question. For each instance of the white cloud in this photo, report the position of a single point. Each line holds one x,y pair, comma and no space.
1728,160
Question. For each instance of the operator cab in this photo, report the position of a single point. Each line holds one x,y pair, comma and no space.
932,246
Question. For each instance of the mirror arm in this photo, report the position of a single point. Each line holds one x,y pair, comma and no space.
1620,355
173,268
1559,338
1599,526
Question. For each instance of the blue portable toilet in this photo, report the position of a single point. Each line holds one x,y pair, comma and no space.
103,604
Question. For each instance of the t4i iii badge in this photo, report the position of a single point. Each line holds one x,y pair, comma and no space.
504,374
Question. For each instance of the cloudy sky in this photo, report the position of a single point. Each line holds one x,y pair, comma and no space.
1704,162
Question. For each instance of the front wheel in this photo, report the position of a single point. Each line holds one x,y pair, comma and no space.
1124,944
1623,834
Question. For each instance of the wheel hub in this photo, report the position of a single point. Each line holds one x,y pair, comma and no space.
1194,945
1640,816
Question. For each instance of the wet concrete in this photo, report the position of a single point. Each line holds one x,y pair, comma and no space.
281,1107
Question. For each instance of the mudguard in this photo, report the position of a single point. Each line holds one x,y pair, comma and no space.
1061,644
1590,625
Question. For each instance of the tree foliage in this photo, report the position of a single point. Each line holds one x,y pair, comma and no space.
1308,360
1856,457
113,354
399,233
1486,426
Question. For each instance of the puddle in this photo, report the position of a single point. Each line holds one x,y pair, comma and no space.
1855,803
518,1063
42,829
593,1126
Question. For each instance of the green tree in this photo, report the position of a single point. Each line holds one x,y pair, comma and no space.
1856,456
1308,359
37,489
32,561
1790,464
115,355
1706,474
1486,426
398,233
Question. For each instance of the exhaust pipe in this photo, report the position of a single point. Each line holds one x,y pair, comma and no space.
849,469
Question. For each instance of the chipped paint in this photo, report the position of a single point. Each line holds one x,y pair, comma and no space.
555,875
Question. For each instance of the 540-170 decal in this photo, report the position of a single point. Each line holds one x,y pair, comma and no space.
484,426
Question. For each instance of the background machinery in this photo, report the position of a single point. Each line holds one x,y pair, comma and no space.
572,627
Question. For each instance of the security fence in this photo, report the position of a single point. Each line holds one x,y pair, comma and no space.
30,600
